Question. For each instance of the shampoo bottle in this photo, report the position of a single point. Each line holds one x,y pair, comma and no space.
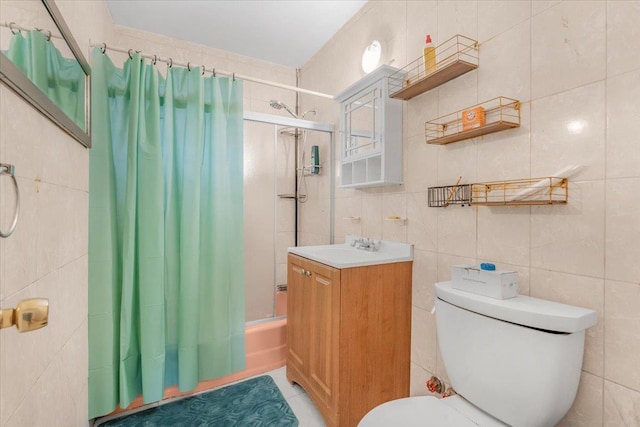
429,56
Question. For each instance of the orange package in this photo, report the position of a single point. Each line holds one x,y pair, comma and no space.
473,118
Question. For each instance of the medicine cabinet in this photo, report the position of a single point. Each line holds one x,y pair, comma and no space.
371,132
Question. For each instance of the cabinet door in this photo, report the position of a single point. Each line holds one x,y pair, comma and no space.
298,303
324,333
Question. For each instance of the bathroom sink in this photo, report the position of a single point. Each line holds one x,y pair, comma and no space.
345,255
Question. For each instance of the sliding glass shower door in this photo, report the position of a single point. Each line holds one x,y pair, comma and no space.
287,202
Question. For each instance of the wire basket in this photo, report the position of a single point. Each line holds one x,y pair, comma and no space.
441,197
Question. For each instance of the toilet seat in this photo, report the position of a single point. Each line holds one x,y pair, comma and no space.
424,411
419,411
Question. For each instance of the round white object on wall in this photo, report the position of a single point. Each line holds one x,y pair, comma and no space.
371,56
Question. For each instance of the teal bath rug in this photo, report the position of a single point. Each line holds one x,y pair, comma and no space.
255,402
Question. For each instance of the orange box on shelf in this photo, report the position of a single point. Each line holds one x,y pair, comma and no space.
473,118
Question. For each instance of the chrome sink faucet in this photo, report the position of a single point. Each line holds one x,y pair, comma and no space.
365,243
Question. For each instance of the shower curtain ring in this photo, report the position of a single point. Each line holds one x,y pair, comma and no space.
170,63
188,66
104,48
129,53
11,24
155,59
214,72
234,77
203,70
49,36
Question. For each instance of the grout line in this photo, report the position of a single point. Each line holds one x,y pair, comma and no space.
604,216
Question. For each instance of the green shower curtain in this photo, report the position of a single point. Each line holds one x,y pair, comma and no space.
166,273
60,78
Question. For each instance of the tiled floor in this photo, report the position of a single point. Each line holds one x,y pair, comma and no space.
298,400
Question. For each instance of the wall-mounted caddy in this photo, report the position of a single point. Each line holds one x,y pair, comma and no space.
497,114
454,57
371,132
527,191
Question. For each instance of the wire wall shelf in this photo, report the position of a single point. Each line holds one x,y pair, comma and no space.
454,57
441,197
533,191
495,115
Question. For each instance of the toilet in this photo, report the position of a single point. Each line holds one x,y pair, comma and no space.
514,362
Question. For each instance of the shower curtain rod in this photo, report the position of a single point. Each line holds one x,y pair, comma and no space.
13,26
214,71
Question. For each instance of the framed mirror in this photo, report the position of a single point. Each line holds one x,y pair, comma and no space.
41,61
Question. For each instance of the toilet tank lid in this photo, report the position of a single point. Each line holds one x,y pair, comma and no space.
522,310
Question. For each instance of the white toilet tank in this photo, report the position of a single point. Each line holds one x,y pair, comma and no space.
517,359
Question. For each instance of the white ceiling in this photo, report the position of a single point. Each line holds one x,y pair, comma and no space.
286,32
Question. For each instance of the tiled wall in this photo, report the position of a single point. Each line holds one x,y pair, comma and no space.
566,61
43,374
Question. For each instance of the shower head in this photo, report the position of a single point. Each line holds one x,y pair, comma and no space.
278,105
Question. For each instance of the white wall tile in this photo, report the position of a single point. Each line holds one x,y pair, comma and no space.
498,16
570,238
580,291
621,405
622,329
623,33
506,155
457,231
623,140
419,377
569,129
423,339
505,62
457,17
568,47
18,260
394,205
504,234
587,408
425,269
422,222
348,218
457,160
421,165
623,229
372,216
422,19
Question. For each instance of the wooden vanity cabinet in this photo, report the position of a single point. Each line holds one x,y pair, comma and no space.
349,336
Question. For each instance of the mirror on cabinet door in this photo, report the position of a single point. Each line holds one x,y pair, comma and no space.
371,132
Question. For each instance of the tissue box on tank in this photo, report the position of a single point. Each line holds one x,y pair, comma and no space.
499,284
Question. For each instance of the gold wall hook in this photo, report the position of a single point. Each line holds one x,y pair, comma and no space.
29,315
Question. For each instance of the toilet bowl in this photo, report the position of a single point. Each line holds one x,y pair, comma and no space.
500,356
